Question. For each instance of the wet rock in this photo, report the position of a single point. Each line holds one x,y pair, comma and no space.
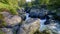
51,12
22,14
38,13
49,21
34,13
50,17
54,26
11,20
57,16
43,12
29,26
6,31
15,29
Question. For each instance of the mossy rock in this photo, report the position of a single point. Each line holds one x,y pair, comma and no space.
43,32
2,22
10,6
1,32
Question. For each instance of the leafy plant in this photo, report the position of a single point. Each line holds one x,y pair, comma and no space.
10,5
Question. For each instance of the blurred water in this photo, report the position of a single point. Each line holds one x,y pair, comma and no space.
42,26
55,27
27,16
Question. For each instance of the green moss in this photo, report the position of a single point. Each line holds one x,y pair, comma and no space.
1,16
11,9
43,32
10,5
2,22
1,32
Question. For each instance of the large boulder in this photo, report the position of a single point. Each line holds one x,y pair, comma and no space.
38,13
34,12
11,20
29,26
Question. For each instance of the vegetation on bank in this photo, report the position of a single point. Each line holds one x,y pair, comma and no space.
49,4
9,5
13,5
2,22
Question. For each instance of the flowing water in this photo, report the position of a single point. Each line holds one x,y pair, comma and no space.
52,26
27,16
42,26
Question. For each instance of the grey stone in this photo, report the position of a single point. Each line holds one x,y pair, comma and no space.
11,20
6,30
29,26
38,13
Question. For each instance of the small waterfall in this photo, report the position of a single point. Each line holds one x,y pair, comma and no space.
27,16
42,26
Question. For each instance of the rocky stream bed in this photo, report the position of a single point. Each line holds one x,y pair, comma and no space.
34,21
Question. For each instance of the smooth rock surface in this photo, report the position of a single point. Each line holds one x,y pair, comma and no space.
11,20
29,26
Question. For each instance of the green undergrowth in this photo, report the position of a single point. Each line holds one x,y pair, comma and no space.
7,7
10,5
